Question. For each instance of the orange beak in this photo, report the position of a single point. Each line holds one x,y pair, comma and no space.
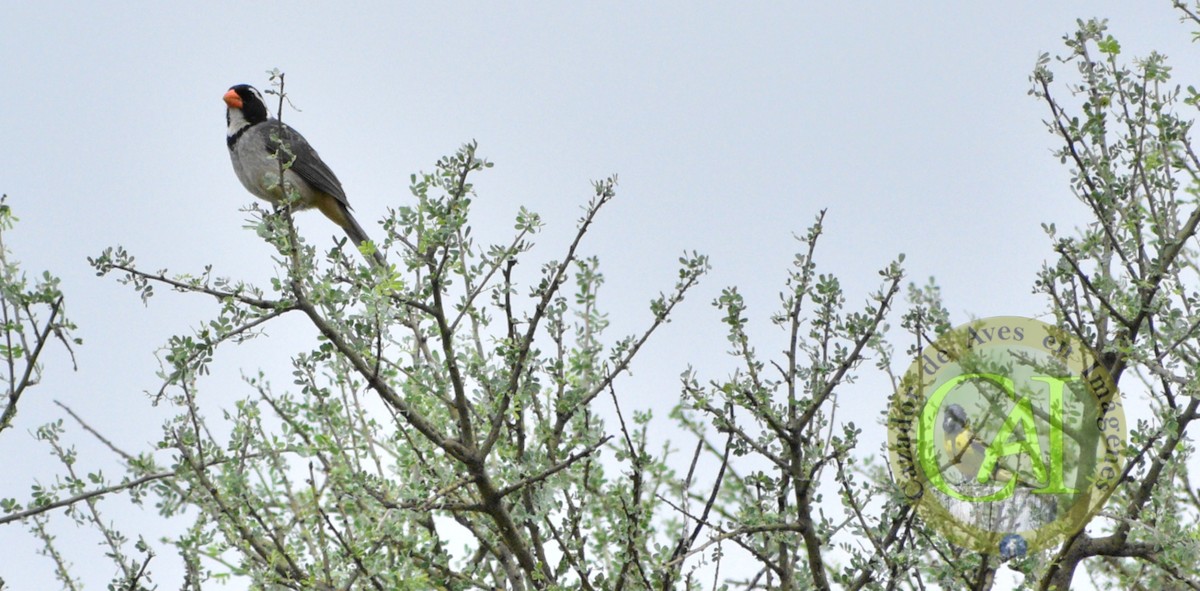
233,100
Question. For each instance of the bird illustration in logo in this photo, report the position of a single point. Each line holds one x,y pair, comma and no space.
1019,506
964,449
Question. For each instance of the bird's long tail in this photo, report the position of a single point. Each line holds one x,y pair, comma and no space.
340,214
358,236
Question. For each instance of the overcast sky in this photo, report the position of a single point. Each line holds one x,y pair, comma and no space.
730,127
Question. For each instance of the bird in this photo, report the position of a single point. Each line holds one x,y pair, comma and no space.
258,143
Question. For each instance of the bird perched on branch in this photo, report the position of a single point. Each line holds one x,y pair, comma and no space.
258,143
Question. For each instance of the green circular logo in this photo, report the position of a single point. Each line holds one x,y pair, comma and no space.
1007,433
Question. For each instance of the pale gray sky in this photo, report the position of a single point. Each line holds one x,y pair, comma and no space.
730,127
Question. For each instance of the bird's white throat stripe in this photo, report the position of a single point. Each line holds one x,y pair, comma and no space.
237,122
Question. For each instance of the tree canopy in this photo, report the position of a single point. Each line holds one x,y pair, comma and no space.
452,428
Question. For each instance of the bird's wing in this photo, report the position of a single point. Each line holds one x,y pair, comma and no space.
306,163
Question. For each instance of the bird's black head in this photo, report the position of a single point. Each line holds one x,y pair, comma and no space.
249,101
955,420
